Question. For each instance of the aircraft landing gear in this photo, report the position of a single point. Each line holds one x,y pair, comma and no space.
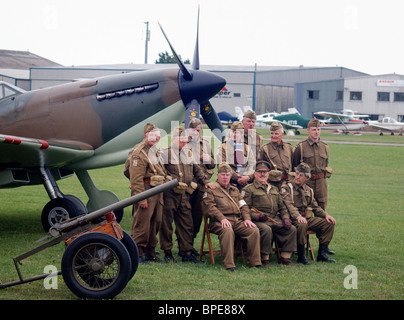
60,207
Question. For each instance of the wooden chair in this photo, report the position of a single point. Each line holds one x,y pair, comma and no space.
309,248
206,234
277,249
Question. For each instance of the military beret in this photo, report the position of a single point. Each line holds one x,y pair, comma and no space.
149,127
223,167
275,175
250,115
237,125
303,168
314,123
194,122
275,126
262,166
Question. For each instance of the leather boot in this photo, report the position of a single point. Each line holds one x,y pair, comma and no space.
301,258
321,256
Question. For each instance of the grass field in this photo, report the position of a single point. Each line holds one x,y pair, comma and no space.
366,196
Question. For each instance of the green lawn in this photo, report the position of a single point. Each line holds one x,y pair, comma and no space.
366,198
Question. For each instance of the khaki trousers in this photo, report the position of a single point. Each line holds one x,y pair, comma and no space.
177,208
227,237
324,230
146,222
269,229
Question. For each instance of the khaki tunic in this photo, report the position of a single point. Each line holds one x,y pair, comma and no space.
300,201
254,140
143,164
226,154
177,207
199,148
279,156
219,206
316,156
267,199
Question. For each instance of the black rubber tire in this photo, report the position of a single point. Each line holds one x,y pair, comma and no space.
96,265
60,209
133,251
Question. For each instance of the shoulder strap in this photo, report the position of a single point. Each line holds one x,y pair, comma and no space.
224,191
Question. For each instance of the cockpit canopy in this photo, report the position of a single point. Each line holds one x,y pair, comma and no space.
8,90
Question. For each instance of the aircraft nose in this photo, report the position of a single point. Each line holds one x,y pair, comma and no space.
203,86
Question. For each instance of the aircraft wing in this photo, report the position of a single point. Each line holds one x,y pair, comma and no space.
284,124
330,114
21,152
381,127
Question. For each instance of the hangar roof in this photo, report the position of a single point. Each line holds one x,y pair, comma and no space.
10,59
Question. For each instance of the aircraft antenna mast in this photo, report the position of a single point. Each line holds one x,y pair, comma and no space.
147,40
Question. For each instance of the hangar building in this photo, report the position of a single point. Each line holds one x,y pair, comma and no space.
265,89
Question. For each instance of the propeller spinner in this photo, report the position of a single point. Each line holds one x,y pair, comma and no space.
197,87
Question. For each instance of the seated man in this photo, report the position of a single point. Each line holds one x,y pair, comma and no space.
229,216
270,215
299,199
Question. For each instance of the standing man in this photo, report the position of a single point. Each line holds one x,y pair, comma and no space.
301,203
204,159
179,164
238,155
147,171
315,153
229,216
277,152
270,215
251,137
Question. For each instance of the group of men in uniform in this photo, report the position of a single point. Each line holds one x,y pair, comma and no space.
262,192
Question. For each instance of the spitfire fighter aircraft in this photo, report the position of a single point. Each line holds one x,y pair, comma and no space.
52,133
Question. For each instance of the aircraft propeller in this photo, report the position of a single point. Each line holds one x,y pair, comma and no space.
197,87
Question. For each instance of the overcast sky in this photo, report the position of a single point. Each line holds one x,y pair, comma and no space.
365,36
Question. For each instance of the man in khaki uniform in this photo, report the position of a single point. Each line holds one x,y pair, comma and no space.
253,139
270,215
179,164
238,155
299,199
229,216
315,153
277,152
146,171
204,159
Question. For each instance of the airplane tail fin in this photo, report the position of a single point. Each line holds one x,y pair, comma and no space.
239,113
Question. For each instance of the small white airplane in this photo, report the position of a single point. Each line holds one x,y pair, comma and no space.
267,118
387,124
345,121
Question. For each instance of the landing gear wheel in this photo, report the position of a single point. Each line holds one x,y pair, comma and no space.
61,209
96,265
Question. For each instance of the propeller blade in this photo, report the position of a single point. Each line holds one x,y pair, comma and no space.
212,120
187,75
192,111
195,61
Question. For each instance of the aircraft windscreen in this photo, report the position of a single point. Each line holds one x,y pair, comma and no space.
7,91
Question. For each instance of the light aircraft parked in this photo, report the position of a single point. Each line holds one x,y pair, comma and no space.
387,124
54,132
341,121
290,120
226,118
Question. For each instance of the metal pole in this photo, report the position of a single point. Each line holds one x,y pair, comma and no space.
147,40
68,224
